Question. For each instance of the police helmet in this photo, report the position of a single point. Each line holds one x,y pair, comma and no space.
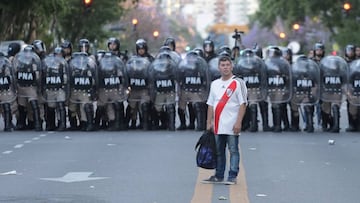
39,46
164,49
141,44
115,41
350,48
171,43
66,44
199,51
13,49
208,44
84,43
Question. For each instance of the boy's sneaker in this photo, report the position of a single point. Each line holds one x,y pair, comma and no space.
213,179
231,181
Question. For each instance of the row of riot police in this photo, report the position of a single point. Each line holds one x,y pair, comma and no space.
39,87
117,91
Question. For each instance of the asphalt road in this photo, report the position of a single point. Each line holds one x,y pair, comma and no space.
159,167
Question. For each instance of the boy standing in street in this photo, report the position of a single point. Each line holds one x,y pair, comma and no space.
226,108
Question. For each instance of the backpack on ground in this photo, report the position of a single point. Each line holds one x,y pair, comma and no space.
206,151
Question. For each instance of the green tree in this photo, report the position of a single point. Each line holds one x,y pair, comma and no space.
330,13
53,20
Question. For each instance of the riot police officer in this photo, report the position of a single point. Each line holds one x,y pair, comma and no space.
27,66
112,90
7,92
163,81
82,74
13,49
264,105
137,69
113,45
306,91
193,78
67,50
209,50
357,52
333,77
135,105
279,85
252,70
55,89
170,42
352,110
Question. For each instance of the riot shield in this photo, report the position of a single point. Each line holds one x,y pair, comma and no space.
353,85
278,80
7,81
333,78
163,77
55,76
253,71
82,71
137,69
192,76
214,72
306,81
113,82
27,66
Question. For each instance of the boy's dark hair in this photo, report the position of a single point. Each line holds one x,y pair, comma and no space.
224,58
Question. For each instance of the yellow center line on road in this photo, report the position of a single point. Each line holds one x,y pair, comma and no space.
238,193
203,192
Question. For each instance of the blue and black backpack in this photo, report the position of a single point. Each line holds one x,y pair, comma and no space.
206,151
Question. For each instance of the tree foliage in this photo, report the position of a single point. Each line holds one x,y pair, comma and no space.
329,13
53,20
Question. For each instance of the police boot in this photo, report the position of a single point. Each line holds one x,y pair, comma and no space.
127,117
114,125
325,121
336,119
164,120
36,115
170,109
145,109
245,125
192,116
121,115
294,121
72,121
8,125
181,114
277,118
352,124
309,112
62,116
50,118
100,111
21,119
89,112
264,110
200,110
155,119
253,118
285,117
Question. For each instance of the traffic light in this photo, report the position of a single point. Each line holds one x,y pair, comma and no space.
346,8
156,34
134,22
87,3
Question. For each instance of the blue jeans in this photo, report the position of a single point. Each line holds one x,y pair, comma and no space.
233,145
